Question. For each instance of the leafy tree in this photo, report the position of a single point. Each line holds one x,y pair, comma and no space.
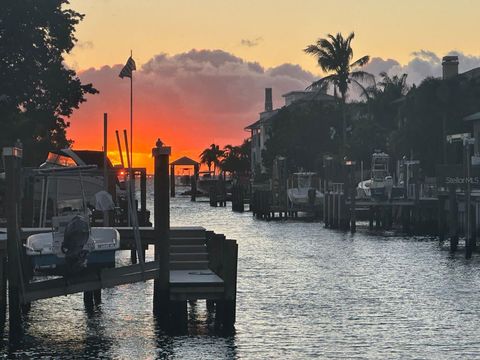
384,99
302,132
374,121
37,91
420,133
334,55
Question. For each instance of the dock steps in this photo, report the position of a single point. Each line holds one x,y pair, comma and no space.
188,248
195,284
188,265
188,241
196,256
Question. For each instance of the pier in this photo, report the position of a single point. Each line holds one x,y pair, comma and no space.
190,263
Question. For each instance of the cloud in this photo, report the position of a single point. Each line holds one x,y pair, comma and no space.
251,42
84,45
188,99
423,64
378,65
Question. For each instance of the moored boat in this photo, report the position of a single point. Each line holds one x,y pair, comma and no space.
304,193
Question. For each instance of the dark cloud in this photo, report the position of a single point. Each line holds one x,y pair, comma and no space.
251,42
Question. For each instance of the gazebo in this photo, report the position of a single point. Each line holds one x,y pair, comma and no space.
184,161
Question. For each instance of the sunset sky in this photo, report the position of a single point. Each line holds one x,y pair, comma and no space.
202,65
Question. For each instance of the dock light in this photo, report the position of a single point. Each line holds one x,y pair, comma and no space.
350,162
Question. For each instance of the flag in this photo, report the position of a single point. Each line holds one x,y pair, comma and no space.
128,68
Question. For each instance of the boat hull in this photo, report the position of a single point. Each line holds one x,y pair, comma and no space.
300,197
94,259
43,259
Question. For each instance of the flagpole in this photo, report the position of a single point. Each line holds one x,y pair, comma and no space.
131,115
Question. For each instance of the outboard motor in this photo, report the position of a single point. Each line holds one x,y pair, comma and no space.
73,246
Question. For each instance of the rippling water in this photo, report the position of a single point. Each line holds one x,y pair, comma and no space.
303,292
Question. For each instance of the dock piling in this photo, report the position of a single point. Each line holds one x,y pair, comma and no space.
161,296
12,159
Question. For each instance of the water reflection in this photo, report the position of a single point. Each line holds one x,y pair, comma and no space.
303,292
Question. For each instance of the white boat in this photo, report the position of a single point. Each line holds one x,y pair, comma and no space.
363,189
63,190
381,183
304,193
66,247
101,246
72,245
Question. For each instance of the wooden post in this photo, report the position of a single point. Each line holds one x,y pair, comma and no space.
3,292
230,258
194,183
172,181
371,213
468,231
334,211
88,300
12,159
143,196
453,218
353,209
161,296
441,218
106,217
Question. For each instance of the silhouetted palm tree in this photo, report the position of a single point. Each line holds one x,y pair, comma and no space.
236,159
211,156
396,85
334,55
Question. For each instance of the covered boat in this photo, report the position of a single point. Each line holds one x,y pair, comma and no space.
304,193
380,184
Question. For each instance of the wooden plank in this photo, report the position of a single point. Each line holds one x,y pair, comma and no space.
199,289
195,296
200,277
106,279
193,284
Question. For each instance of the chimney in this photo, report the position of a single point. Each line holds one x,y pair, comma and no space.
450,66
268,99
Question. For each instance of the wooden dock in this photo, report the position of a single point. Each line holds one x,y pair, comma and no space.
189,263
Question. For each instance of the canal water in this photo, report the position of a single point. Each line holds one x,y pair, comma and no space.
303,292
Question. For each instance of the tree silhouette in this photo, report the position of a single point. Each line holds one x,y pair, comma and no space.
236,159
211,156
334,55
38,92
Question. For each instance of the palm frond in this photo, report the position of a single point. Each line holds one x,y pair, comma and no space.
360,62
312,49
364,90
363,76
323,83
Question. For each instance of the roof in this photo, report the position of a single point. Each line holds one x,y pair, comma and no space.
255,125
471,74
472,117
300,92
89,157
184,161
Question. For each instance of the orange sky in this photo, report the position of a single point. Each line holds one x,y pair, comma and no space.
191,99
